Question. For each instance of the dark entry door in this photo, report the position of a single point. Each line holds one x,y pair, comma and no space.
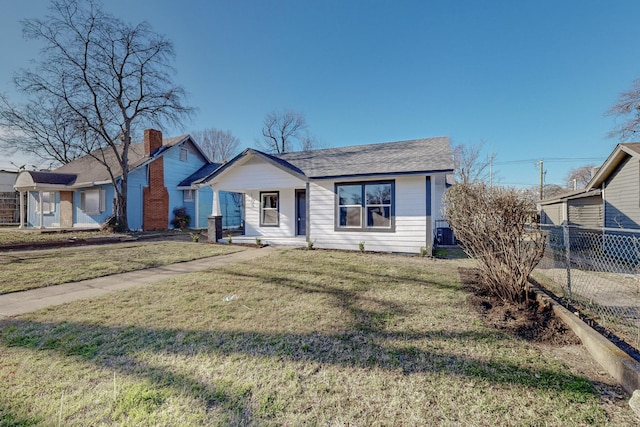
301,212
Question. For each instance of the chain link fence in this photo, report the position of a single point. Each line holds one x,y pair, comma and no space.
597,271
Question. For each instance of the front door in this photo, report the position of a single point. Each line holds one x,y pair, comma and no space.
301,212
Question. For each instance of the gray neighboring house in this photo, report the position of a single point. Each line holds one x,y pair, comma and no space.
9,198
611,199
386,196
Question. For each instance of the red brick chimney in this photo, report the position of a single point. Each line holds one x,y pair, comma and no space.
155,197
152,141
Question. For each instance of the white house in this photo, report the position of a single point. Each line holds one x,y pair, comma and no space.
386,195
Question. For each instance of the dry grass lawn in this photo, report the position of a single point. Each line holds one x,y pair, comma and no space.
23,270
298,338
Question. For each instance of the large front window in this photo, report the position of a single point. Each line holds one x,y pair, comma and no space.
269,209
365,206
93,202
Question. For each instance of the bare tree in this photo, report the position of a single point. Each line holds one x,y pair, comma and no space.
492,225
626,108
219,145
470,166
40,129
283,130
108,79
579,177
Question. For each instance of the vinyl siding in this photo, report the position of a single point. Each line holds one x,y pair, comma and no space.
410,221
256,174
552,214
82,219
137,181
586,212
621,195
175,171
286,201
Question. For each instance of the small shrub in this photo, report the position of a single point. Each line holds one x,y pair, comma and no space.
492,223
229,239
195,237
258,241
310,245
181,218
361,246
424,251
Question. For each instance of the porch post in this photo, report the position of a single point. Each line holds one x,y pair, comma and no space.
41,210
214,229
21,209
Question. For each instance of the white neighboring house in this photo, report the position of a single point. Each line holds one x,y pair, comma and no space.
386,195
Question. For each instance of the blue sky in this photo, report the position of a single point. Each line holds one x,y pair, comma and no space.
532,79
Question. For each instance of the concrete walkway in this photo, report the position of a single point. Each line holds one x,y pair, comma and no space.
17,303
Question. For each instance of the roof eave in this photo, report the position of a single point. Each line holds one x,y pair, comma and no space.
381,174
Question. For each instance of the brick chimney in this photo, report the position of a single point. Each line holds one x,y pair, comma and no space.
152,141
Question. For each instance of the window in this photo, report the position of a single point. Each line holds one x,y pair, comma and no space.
183,154
48,202
93,202
188,195
269,209
365,206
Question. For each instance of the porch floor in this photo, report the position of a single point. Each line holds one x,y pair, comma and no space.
298,241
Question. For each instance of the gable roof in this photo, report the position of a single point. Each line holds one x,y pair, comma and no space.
621,152
391,158
87,171
402,157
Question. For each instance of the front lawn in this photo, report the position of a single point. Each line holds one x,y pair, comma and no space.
296,338
23,270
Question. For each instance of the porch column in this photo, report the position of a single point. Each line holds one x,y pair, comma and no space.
41,210
21,209
215,206
214,230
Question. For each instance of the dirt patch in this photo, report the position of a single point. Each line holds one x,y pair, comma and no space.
536,323
533,321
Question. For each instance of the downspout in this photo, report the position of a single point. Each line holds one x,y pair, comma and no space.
307,222
196,198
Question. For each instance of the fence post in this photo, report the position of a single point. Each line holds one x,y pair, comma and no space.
567,253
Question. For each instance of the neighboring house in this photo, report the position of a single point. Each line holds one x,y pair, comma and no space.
9,198
387,196
81,193
611,198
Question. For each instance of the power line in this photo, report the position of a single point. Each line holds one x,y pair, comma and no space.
549,159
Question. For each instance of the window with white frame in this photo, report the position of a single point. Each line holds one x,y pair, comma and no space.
93,201
188,195
46,201
365,206
269,209
184,153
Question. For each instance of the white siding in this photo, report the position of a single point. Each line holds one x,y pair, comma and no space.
410,217
286,213
256,174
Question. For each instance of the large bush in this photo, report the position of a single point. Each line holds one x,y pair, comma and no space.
493,226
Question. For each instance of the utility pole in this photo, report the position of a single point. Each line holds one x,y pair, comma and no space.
541,178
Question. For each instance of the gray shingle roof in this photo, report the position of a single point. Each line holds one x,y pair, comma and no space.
402,157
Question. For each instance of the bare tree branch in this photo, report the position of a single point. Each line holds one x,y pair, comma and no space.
627,108
282,129
219,145
469,164
104,79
